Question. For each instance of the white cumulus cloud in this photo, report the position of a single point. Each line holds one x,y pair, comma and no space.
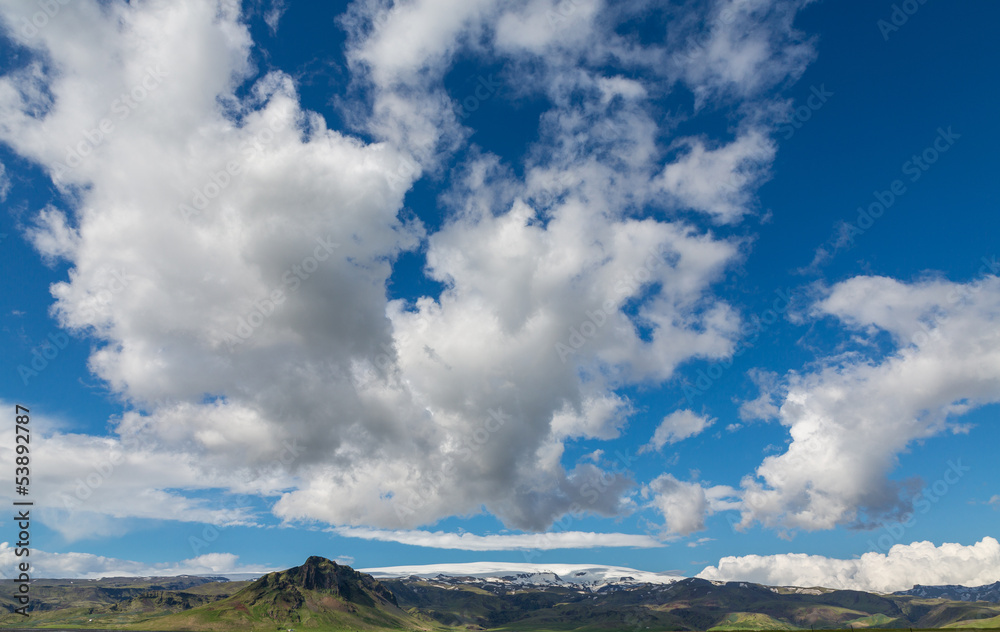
718,181
677,426
230,255
686,505
851,418
900,569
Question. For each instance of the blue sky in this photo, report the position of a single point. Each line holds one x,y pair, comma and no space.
553,282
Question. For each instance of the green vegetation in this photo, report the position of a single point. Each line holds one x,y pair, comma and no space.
976,624
322,596
751,621
111,602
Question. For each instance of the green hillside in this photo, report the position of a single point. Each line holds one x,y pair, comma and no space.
110,602
992,623
323,596
750,621
320,596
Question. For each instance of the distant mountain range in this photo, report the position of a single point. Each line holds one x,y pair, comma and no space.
323,596
514,573
989,592
515,598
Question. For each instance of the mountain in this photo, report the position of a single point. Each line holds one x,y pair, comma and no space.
323,596
685,604
111,600
989,592
592,578
318,595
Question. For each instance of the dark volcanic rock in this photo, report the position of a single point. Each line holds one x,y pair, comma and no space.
321,574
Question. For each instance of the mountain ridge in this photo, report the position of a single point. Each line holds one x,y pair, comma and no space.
985,592
320,594
591,576
323,596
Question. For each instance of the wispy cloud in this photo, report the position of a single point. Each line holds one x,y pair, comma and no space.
4,182
89,566
272,16
675,427
517,542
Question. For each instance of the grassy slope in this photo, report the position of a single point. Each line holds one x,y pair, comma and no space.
107,603
978,624
751,621
427,606
319,596
319,615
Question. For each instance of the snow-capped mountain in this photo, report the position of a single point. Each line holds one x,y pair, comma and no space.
989,592
590,577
